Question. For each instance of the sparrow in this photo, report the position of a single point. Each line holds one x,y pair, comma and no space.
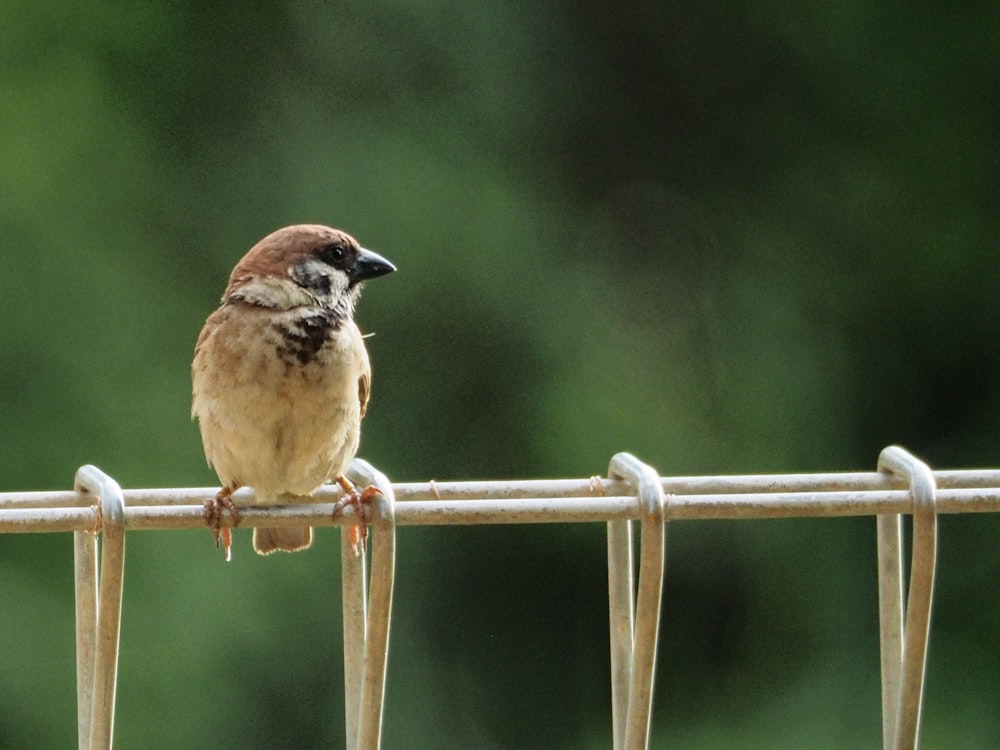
281,377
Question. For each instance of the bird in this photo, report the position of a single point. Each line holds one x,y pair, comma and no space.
281,376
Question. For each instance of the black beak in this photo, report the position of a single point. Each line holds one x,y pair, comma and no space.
368,266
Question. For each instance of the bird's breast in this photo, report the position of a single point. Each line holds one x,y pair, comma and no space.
276,396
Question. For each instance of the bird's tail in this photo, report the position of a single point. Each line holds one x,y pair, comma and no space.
266,541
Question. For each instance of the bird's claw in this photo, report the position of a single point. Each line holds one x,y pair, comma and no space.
358,535
213,517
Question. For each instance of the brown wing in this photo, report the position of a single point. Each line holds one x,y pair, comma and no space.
364,389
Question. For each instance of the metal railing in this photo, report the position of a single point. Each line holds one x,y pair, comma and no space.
631,492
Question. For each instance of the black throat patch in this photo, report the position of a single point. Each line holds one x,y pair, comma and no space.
304,338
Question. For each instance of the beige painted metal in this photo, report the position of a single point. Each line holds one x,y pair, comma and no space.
98,619
632,681
904,633
367,615
632,492
516,502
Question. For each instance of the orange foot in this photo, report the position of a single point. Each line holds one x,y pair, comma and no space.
357,534
213,517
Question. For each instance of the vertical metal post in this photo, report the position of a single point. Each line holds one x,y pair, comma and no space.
379,617
109,602
621,608
652,559
890,601
904,649
355,604
366,638
85,580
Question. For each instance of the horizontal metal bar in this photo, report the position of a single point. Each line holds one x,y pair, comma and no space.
166,514
542,488
691,485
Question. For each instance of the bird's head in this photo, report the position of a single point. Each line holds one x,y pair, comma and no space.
305,265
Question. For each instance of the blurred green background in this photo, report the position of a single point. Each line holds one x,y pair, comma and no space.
729,237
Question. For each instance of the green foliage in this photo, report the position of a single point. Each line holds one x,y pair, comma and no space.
727,239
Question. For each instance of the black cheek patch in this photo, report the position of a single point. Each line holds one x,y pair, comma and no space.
305,275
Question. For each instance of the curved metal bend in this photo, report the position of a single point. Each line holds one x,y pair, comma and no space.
99,623
904,652
366,637
636,647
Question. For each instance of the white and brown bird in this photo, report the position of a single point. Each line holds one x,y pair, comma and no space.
281,375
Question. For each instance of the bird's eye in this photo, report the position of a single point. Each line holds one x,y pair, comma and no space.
334,254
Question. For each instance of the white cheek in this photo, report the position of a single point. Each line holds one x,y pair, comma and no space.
272,292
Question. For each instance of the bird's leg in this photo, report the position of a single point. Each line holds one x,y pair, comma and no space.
213,517
359,533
